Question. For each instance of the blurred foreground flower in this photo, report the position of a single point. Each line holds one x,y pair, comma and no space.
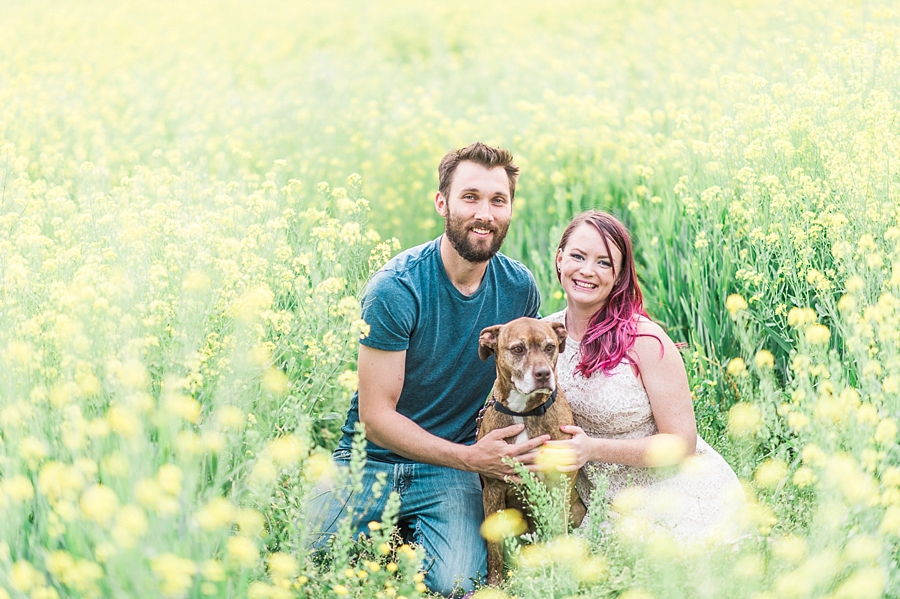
770,473
818,334
744,420
489,593
503,524
734,304
764,359
555,458
665,450
565,550
737,367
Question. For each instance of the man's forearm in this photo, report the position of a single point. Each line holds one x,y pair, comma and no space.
396,432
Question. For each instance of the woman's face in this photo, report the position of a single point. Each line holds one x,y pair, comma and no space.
586,270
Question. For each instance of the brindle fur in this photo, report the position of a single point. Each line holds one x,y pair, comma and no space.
535,335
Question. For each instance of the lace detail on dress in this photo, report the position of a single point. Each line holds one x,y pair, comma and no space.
697,501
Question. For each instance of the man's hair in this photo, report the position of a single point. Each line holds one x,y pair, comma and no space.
478,153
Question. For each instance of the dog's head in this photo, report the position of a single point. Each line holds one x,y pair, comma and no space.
526,350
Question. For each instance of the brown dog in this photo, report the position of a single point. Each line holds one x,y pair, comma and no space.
525,350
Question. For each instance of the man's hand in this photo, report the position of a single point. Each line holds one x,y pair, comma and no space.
486,457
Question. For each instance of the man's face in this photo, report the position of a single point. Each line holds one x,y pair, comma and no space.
477,211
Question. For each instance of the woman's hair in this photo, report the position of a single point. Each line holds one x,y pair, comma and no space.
613,329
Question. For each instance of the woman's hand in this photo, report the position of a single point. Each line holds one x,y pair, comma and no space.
567,455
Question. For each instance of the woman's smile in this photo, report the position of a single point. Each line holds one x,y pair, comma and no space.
587,269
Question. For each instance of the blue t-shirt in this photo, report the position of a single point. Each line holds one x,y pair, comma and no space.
410,304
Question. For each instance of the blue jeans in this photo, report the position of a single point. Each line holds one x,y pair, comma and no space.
440,509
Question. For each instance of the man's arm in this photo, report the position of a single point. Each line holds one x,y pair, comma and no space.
381,378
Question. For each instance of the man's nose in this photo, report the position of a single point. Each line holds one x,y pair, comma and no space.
483,211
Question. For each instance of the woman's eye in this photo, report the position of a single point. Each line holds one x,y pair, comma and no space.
605,263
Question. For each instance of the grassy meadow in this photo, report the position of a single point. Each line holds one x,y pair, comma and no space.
192,196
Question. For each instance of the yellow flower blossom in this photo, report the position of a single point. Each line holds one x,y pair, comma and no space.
175,573
215,514
804,477
737,367
250,522
770,473
886,432
23,576
98,504
791,548
503,524
817,334
865,583
288,450
242,552
130,525
744,419
764,359
282,565
735,304
800,317
665,450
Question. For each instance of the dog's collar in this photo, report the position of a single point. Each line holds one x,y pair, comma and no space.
538,411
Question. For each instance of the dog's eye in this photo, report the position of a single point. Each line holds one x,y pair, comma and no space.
518,349
549,348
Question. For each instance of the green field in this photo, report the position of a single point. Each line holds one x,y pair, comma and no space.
193,194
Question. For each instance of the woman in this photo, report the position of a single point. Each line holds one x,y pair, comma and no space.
628,389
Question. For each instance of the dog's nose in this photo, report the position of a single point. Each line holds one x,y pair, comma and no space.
542,374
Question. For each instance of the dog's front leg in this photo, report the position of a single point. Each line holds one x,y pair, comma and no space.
577,510
494,497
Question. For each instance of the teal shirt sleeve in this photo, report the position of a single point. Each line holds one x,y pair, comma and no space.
390,307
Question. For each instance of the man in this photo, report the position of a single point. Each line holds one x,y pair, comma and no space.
421,383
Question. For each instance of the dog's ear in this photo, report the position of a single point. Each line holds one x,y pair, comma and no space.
561,334
487,341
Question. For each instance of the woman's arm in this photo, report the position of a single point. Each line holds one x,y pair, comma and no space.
664,378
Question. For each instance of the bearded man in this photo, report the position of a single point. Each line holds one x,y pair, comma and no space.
421,383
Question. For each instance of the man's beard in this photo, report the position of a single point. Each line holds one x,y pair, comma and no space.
457,233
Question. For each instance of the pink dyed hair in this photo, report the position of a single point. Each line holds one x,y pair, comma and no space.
613,328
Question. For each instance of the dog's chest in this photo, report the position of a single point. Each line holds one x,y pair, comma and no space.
523,436
517,402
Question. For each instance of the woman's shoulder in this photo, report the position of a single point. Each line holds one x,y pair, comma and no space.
645,326
556,316
651,339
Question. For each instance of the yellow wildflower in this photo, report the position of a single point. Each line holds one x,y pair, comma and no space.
770,473
737,367
502,524
242,551
734,304
764,359
98,504
744,419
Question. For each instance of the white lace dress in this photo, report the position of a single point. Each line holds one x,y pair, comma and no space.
701,500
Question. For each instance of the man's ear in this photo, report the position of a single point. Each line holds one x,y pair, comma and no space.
561,334
487,341
440,204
